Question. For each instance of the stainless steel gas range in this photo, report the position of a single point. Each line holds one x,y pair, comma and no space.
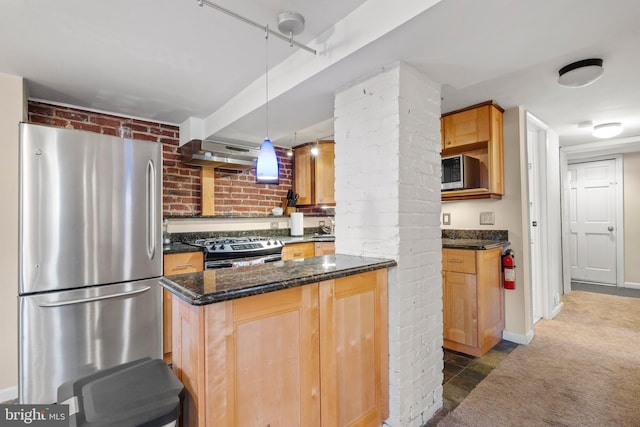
223,252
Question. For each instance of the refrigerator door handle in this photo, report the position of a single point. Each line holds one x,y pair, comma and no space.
151,209
92,299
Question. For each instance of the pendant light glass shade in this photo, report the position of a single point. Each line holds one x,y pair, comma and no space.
267,165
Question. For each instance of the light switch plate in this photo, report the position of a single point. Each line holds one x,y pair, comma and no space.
446,219
487,218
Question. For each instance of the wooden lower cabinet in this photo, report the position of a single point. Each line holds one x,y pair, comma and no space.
297,250
354,350
178,263
307,249
473,300
324,248
313,355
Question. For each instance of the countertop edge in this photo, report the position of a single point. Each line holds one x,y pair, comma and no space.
473,244
198,300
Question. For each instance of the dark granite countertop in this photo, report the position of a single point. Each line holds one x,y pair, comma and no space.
178,247
476,244
211,286
307,238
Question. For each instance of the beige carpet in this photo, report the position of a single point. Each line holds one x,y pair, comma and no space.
581,369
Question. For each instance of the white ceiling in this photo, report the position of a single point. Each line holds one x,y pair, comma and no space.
176,62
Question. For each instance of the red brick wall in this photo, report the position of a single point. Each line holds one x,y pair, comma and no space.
235,193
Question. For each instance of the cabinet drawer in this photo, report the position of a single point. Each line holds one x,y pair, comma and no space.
459,260
185,262
297,250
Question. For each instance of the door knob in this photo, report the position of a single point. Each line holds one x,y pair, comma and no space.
610,228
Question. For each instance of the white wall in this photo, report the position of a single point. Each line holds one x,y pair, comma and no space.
387,166
12,111
510,212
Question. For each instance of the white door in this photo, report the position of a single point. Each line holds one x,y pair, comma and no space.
592,217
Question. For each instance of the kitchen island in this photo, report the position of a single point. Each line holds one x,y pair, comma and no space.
301,342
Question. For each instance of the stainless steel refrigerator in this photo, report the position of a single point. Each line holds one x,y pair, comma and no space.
90,255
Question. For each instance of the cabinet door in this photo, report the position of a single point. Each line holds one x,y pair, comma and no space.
325,248
466,127
297,250
325,174
273,359
302,174
460,313
354,350
187,262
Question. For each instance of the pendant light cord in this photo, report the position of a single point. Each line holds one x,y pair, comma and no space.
266,73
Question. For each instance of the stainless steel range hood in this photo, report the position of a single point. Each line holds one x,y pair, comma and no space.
219,154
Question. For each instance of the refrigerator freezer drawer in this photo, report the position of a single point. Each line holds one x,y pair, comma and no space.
70,334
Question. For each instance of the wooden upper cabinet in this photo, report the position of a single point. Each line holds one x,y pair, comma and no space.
302,174
476,131
325,174
466,127
314,176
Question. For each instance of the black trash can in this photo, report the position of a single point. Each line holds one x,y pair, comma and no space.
144,392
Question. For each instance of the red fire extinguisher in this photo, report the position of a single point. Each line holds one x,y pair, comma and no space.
509,270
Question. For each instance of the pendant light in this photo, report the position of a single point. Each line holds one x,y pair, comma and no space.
267,165
290,150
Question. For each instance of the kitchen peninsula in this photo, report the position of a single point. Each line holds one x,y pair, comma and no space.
300,342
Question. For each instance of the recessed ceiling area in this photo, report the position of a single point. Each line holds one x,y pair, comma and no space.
173,61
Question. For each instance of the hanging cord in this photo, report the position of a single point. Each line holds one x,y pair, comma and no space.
266,72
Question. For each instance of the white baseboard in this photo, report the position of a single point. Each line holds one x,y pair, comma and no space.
556,310
518,338
632,285
7,394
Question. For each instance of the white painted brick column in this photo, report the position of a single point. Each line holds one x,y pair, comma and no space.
387,165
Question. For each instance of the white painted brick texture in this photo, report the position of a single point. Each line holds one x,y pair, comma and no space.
387,160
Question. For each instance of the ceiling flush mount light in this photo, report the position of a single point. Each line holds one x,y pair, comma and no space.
607,130
581,73
267,165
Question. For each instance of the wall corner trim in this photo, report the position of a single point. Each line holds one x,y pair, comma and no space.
518,338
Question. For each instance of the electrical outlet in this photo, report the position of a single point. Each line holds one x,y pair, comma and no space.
446,219
274,224
487,218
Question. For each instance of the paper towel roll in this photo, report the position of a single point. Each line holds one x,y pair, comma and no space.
297,224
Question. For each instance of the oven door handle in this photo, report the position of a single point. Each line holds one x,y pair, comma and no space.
209,265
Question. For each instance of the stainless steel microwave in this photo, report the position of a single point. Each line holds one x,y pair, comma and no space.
460,172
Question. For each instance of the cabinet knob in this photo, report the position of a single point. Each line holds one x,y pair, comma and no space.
448,142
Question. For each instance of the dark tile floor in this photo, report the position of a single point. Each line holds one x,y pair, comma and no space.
462,373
